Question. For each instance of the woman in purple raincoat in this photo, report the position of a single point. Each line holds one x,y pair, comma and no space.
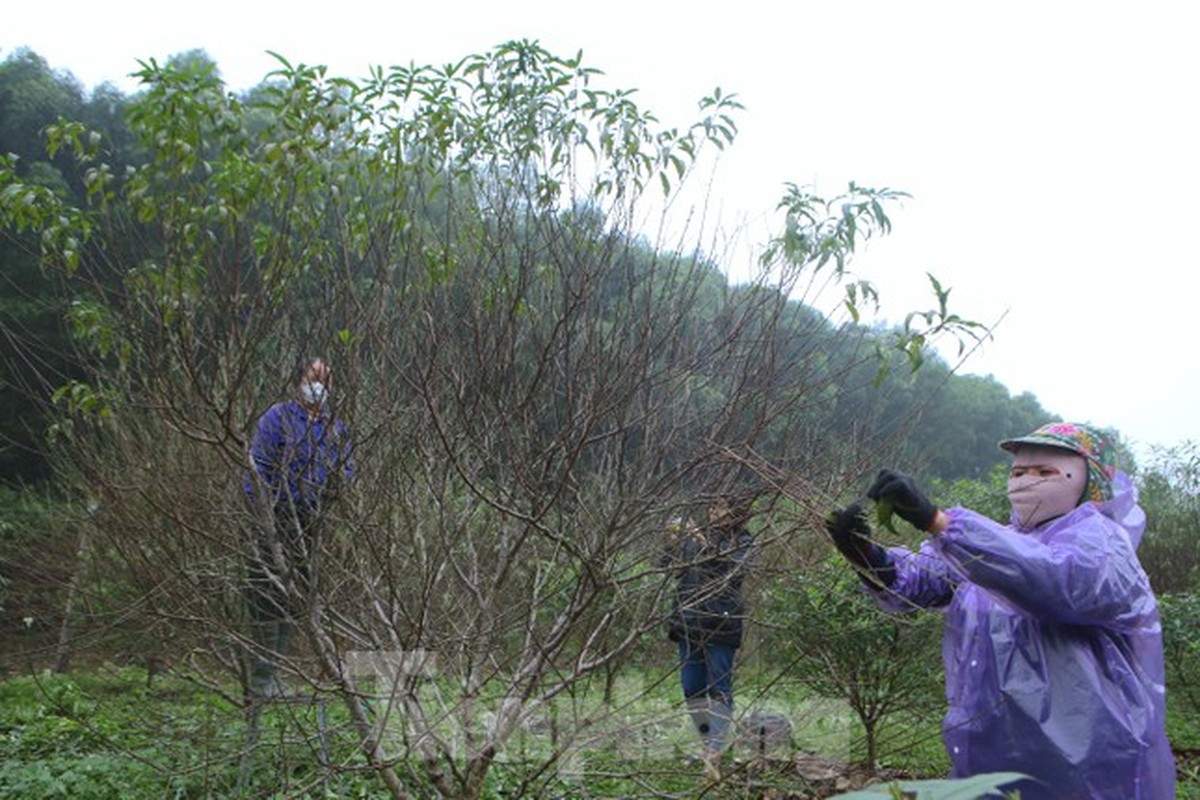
1053,648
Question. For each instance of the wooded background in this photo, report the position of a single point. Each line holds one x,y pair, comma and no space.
535,385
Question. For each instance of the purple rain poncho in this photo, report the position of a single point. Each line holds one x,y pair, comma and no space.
1052,650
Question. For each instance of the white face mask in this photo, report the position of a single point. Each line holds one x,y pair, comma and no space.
314,393
1044,483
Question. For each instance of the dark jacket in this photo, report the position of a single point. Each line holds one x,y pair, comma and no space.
709,604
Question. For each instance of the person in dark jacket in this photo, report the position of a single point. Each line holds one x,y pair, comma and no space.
298,456
709,616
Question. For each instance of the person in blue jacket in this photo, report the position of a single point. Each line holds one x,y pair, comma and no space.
299,455
709,616
1053,649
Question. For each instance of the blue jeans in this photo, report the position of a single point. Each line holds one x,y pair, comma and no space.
707,670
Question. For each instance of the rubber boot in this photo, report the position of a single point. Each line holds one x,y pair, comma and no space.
720,715
274,641
697,708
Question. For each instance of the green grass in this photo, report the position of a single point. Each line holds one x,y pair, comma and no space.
105,733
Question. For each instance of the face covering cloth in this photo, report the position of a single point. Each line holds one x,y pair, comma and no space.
1044,483
315,393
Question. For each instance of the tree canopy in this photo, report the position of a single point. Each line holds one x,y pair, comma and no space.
533,387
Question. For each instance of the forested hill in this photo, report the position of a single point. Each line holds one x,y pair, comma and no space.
857,389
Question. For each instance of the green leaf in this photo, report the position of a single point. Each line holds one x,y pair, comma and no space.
977,786
884,514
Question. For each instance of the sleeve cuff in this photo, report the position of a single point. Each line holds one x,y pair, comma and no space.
938,523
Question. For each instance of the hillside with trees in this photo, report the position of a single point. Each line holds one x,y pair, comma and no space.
534,389
39,357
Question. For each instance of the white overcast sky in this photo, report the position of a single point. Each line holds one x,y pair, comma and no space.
1050,147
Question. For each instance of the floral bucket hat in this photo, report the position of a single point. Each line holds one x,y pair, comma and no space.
1096,449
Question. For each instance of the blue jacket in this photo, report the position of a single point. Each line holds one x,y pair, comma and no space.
1052,649
296,457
